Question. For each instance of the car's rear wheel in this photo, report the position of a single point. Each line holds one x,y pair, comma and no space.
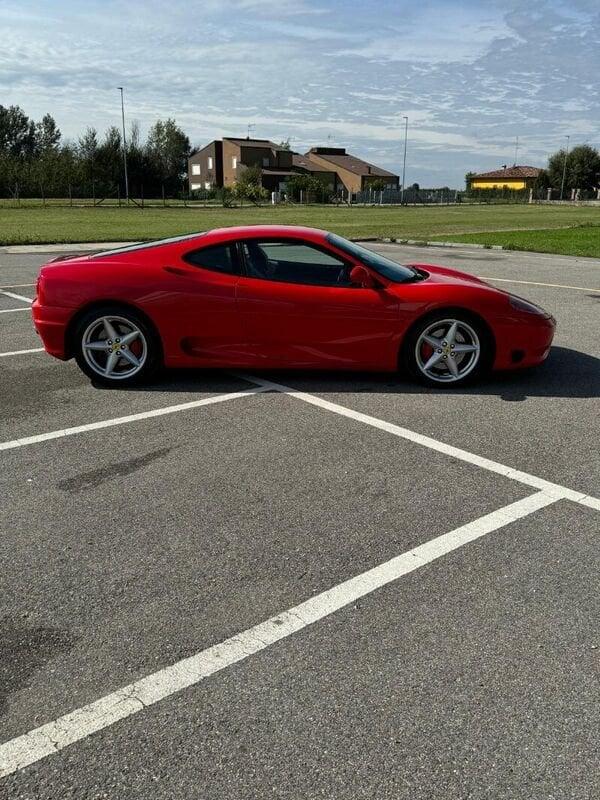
447,349
116,346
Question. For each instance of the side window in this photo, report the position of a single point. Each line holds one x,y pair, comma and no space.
294,262
218,258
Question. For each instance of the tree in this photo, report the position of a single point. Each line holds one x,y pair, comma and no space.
308,184
168,150
468,178
249,185
109,161
285,144
582,168
47,135
378,185
17,132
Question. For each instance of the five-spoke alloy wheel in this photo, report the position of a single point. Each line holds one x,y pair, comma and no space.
446,350
115,346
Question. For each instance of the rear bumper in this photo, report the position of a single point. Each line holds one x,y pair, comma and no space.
524,345
50,324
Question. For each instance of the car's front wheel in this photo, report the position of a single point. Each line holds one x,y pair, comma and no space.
115,346
446,349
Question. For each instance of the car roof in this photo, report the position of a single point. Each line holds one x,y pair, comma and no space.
214,236
257,231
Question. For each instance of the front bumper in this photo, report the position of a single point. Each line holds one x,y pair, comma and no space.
50,324
525,343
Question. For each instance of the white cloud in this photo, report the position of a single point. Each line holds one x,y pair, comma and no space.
470,75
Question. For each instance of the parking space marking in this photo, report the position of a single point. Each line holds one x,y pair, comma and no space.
12,310
17,296
17,286
22,352
110,423
535,283
554,489
81,723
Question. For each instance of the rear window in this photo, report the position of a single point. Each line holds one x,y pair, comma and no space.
218,258
146,245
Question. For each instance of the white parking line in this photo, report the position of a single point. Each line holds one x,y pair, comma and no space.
81,723
535,283
554,489
110,423
16,296
12,310
17,285
22,352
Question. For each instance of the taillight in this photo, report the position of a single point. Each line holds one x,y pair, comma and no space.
39,288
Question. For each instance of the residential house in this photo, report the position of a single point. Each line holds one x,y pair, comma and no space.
205,168
515,177
353,173
221,163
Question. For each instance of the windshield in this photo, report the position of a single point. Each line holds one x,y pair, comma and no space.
384,266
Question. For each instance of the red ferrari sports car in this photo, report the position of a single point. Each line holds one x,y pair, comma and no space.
277,296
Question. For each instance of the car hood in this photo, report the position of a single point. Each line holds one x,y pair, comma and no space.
445,275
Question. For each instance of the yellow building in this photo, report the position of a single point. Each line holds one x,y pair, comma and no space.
515,177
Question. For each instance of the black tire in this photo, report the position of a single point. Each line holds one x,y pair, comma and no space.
124,321
473,333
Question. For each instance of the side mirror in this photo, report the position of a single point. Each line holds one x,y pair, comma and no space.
360,276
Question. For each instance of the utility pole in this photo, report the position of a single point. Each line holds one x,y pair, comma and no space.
120,88
516,150
562,185
404,163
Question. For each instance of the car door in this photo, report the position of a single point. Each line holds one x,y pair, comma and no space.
200,285
299,309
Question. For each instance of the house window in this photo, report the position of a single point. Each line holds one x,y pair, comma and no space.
207,184
265,162
195,169
210,162
234,161
194,186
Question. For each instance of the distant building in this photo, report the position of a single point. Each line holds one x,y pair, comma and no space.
328,177
515,177
353,173
220,163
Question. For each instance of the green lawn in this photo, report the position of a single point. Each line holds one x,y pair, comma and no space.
584,241
513,225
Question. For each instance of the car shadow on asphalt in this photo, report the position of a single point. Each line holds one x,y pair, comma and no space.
566,373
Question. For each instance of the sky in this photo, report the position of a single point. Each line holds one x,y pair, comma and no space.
470,76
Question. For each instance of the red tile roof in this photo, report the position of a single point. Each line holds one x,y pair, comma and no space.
511,172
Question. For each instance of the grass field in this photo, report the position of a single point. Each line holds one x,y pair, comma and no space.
581,241
543,228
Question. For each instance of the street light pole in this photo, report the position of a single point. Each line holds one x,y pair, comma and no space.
404,163
562,185
120,88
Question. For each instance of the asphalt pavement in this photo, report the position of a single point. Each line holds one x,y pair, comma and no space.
335,586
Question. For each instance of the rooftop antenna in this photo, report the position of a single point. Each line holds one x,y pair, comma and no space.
516,150
251,127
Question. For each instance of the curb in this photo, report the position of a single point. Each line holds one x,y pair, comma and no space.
421,243
72,247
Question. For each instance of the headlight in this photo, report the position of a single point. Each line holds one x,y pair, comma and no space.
525,305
